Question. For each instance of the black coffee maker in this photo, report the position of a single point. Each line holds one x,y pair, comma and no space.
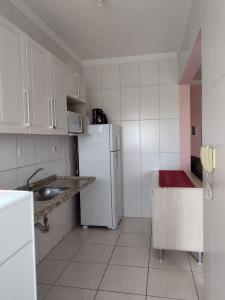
98,116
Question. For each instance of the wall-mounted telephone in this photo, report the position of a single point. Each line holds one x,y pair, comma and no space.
208,158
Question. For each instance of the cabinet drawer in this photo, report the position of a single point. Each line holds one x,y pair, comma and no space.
17,276
16,227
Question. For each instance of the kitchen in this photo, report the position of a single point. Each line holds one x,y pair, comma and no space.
94,122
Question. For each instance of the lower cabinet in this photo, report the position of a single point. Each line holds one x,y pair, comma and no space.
61,221
17,276
17,261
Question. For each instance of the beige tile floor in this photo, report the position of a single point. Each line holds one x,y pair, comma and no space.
99,264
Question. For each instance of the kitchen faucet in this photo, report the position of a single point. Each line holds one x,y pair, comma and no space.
29,179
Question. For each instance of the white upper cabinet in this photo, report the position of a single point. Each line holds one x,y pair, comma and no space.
58,96
72,83
14,110
82,90
75,86
39,88
33,85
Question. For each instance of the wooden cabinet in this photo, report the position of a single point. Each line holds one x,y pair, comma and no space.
58,92
46,91
72,83
39,88
33,86
76,88
82,90
14,112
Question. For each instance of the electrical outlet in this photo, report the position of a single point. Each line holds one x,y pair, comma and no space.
21,152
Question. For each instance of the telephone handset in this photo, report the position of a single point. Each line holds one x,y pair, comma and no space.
208,158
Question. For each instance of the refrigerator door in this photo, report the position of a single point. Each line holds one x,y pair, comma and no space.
116,188
94,160
114,137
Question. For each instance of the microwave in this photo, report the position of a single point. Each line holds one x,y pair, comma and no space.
74,122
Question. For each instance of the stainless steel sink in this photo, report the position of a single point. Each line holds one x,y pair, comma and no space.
47,193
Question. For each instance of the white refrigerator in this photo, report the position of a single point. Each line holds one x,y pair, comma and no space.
99,156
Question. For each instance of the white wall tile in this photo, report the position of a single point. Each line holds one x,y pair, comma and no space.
26,144
138,111
7,152
169,135
149,162
111,104
110,76
149,72
95,98
41,175
130,137
132,201
8,180
42,148
58,167
92,75
149,136
130,103
169,101
129,74
169,161
146,202
56,147
149,102
24,173
168,71
131,169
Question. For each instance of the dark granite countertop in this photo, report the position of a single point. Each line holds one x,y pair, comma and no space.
73,184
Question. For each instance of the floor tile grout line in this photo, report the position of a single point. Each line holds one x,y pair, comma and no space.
122,226
67,264
193,277
80,244
146,291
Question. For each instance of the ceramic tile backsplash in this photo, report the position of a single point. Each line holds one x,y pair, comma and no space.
7,152
130,103
21,155
143,97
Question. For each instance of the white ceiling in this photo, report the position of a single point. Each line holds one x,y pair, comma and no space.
119,28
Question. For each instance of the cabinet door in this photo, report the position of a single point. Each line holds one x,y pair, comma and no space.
58,87
82,90
13,80
72,83
39,89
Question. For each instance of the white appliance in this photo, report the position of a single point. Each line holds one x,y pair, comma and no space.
99,156
74,122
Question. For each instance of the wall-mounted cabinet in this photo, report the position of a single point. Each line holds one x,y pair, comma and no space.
38,88
72,83
76,89
33,86
14,106
58,92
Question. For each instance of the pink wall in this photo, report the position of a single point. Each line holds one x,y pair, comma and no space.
196,118
185,128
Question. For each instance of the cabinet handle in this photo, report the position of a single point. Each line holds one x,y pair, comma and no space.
51,113
54,105
26,92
